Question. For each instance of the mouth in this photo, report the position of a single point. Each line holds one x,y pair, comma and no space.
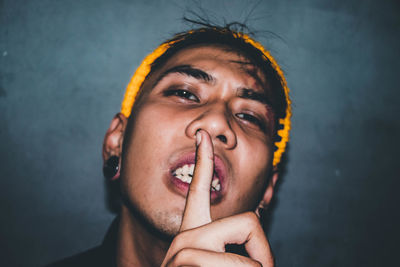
185,174
181,175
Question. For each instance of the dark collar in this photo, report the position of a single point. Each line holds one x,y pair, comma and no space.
100,256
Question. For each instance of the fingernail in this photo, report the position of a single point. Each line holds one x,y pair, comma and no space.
198,138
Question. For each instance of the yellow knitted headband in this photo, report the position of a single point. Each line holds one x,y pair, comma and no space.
144,69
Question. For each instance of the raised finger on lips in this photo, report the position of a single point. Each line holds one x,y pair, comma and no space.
197,208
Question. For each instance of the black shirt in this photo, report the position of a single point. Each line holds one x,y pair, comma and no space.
100,256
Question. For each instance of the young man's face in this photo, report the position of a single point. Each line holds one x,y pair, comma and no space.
198,88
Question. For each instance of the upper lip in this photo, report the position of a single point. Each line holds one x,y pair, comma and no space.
220,168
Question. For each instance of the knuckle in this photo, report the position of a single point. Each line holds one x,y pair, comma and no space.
256,264
251,219
179,241
239,260
182,256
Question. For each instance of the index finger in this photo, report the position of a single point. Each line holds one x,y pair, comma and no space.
197,208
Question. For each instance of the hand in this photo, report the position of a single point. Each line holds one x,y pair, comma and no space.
201,242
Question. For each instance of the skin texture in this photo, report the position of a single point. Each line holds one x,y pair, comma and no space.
172,109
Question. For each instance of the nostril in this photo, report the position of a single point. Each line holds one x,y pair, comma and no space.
222,138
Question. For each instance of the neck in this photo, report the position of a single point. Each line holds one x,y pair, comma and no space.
136,245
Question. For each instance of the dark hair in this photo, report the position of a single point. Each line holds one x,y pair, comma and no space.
230,40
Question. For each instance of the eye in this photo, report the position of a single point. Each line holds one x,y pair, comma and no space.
251,119
181,93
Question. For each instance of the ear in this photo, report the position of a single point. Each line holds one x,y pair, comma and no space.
269,192
112,145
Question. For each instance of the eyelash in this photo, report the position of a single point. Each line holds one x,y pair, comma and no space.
252,119
192,97
182,93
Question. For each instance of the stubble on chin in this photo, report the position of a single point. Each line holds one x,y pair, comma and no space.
166,222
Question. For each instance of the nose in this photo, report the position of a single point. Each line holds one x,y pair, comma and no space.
215,120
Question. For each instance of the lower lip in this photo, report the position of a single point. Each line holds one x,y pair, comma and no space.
184,188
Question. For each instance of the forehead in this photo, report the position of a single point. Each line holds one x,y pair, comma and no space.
199,53
208,58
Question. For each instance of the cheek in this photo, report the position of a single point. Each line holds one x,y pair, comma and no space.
254,156
140,147
150,127
148,147
252,174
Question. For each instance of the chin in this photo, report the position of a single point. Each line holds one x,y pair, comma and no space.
167,223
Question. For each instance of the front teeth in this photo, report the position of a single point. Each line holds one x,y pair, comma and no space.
185,174
215,185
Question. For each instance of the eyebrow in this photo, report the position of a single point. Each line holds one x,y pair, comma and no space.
251,94
187,70
245,93
251,72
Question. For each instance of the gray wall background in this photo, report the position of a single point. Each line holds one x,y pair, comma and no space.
63,69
